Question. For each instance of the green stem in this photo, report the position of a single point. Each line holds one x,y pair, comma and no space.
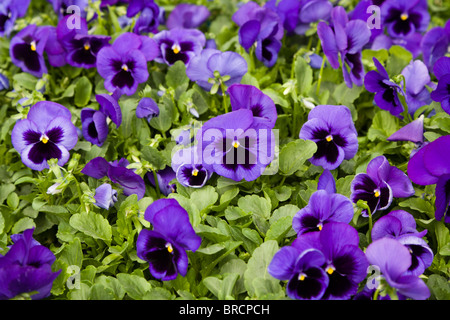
224,96
282,181
376,294
320,75
370,223
155,177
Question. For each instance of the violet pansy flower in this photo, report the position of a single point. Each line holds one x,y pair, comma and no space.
434,44
46,133
332,129
26,268
165,246
188,16
148,20
326,182
386,91
117,172
147,108
404,17
61,7
189,169
243,96
82,50
430,165
413,132
123,65
441,94
10,10
346,39
393,259
303,270
27,49
164,178
236,146
323,207
380,185
262,26
179,44
229,65
401,225
105,196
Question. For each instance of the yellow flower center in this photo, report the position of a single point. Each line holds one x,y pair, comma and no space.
329,137
376,193
320,226
125,67
87,46
236,144
44,139
330,270
404,16
301,277
195,172
176,48
169,247
33,46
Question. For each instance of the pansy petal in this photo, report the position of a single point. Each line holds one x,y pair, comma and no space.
96,168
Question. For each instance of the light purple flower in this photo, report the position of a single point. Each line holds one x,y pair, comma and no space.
435,43
105,196
189,169
147,108
188,16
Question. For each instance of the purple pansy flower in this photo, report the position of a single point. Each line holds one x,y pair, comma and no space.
416,79
386,91
303,270
404,17
262,26
332,129
165,246
105,196
82,50
345,263
46,133
430,165
236,146
61,7
27,50
188,16
123,65
190,172
94,122
435,44
147,108
164,177
362,12
393,260
136,6
179,44
413,132
346,39
26,268
326,182
10,10
55,51
117,172
243,96
380,185
148,20
401,225
441,94
323,208
202,68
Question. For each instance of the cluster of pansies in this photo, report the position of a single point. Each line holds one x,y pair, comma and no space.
224,149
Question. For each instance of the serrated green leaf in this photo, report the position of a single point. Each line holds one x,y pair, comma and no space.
294,154
93,225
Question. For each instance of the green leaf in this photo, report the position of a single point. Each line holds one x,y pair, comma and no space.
439,286
399,57
163,121
93,225
383,125
154,157
135,286
256,205
204,198
83,90
294,154
304,75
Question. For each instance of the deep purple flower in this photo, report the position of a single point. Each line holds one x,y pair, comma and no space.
55,51
123,65
46,133
10,10
404,17
435,44
188,16
82,50
323,208
346,39
386,91
4,82
179,44
326,182
165,246
203,67
94,122
244,96
236,146
26,268
27,50
430,165
416,79
401,225
118,173
136,6
380,185
332,129
441,94
190,172
61,7
362,12
164,178
147,108
148,20
345,263
413,132
105,196
303,270
394,259
262,26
